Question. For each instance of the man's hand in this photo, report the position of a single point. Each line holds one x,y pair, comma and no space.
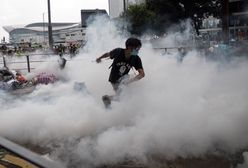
106,55
136,78
98,60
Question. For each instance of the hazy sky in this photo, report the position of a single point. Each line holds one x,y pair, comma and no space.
14,12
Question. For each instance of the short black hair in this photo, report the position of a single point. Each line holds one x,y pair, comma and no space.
133,42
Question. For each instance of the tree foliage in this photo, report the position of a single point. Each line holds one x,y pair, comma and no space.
160,14
140,18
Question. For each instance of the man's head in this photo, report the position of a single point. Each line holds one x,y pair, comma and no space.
133,42
133,45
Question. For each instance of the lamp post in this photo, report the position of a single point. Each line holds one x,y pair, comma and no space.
225,20
124,6
50,33
44,35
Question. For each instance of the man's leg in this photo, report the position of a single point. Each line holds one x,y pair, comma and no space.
117,90
108,98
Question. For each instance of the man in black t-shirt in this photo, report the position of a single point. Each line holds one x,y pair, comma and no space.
123,61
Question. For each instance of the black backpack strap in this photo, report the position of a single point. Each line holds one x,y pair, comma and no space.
111,65
120,50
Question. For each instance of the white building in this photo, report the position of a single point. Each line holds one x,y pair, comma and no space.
72,35
116,7
38,33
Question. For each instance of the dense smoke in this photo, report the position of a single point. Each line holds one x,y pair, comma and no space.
179,109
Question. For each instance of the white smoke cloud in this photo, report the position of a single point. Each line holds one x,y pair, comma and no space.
186,109
245,164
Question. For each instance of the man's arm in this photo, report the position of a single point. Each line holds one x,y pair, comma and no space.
137,77
106,55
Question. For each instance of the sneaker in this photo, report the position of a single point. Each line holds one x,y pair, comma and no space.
106,101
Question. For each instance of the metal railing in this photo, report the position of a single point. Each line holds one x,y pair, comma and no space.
27,62
20,155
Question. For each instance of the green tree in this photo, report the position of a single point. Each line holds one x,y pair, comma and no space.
170,9
140,18
158,15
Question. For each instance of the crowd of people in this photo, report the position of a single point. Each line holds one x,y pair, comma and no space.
71,49
19,49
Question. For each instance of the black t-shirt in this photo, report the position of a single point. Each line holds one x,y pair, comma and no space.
121,66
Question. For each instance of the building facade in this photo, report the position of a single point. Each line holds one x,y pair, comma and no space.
88,15
211,28
117,7
238,19
38,33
